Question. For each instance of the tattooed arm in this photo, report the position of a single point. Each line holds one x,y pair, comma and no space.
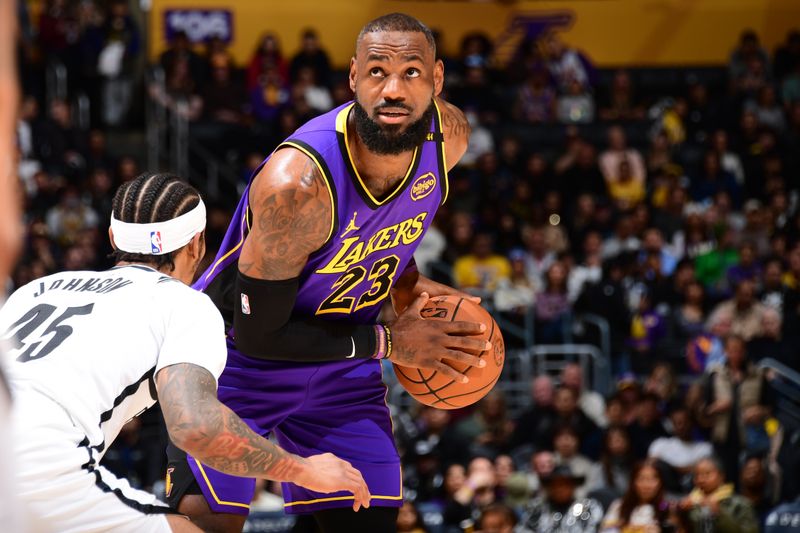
199,424
456,132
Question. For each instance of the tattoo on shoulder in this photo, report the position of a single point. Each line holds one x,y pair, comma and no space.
292,223
455,122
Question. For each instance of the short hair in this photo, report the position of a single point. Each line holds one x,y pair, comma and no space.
398,22
503,510
152,197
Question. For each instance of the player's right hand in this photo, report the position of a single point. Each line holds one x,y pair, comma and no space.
327,473
420,343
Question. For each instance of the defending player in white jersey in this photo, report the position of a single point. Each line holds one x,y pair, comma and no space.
90,350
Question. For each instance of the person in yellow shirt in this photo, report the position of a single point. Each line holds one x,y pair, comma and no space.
481,270
625,190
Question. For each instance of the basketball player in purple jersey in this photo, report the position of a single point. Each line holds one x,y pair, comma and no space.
325,231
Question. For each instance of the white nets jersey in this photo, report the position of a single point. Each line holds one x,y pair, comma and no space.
93,342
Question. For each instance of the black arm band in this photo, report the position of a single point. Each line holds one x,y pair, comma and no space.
264,327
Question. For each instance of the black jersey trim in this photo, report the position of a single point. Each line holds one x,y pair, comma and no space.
127,391
326,173
144,508
355,177
441,159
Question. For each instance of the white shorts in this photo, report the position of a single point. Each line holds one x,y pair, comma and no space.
61,485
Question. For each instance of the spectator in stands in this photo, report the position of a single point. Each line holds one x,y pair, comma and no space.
767,109
579,170
738,401
552,306
610,476
539,258
729,161
590,269
618,151
409,519
180,50
787,55
116,62
712,179
663,383
268,54
749,46
689,318
790,88
536,100
223,101
757,484
712,265
590,402
706,349
436,442
516,294
180,90
566,64
621,103
624,189
566,446
476,494
317,96
623,240
647,426
643,507
745,310
747,267
681,451
66,220
269,96
713,505
532,423
488,429
770,343
62,145
311,55
560,509
482,270
499,518
576,106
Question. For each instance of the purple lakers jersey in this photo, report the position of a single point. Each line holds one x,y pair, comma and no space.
371,240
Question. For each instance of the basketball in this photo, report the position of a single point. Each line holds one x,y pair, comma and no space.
437,390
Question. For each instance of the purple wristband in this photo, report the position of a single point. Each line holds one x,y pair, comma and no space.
380,351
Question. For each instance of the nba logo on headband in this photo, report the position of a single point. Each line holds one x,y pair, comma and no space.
155,242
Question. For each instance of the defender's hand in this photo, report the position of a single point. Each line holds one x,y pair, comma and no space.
420,343
327,473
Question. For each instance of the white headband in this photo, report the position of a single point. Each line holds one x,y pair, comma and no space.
159,238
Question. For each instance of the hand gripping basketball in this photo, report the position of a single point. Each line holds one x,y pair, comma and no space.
419,343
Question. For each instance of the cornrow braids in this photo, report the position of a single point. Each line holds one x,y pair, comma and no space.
152,197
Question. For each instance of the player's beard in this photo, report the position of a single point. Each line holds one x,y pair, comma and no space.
389,139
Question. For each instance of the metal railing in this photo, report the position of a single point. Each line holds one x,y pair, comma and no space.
169,141
786,384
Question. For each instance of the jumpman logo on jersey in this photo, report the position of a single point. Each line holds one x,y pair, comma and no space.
351,226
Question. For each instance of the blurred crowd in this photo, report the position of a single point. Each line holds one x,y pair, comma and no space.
670,210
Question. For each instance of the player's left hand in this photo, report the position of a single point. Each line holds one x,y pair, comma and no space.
327,473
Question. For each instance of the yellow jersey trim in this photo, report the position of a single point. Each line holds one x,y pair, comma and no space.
340,498
213,492
328,180
341,127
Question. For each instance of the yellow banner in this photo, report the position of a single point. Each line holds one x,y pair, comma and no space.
611,32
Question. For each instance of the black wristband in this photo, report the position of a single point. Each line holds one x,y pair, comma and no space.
264,326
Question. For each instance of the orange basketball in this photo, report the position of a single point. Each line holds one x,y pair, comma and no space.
438,390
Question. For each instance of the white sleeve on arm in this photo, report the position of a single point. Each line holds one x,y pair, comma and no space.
195,333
